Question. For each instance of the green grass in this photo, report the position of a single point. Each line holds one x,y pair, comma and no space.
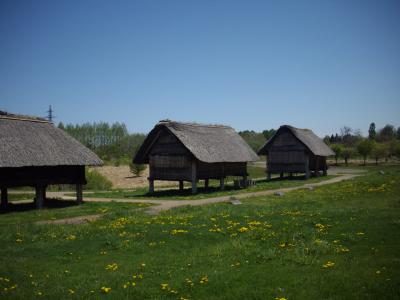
268,247
18,214
20,196
202,193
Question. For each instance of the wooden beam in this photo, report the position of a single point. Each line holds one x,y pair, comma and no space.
245,180
222,183
206,183
181,185
151,185
4,197
40,196
194,177
307,166
79,194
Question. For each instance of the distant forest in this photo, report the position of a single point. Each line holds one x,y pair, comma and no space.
111,142
114,144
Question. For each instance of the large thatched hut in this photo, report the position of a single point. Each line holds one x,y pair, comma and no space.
189,152
35,153
293,150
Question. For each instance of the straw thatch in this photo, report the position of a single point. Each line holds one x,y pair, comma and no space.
207,143
308,138
29,142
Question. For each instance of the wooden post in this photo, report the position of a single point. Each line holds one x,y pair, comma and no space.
245,180
181,185
307,166
222,183
206,183
316,166
4,197
268,176
325,167
291,174
40,196
281,175
79,195
194,177
151,185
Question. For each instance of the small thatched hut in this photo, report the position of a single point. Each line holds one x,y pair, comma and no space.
189,152
35,153
293,150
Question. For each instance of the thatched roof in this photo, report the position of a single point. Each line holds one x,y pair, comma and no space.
305,136
28,141
207,143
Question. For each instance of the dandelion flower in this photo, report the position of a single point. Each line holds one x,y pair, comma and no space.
328,264
243,229
105,290
164,286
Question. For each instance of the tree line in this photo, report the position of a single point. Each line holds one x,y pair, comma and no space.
111,142
379,144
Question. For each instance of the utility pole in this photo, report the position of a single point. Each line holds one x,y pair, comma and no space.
50,115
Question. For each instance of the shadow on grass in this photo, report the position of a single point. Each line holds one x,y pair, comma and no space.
215,190
49,203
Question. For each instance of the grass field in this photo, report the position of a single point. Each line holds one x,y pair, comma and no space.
339,241
202,193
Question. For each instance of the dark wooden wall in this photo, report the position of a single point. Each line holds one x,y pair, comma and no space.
170,160
287,154
220,170
34,176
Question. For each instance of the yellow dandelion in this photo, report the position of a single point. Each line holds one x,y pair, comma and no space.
243,229
328,264
105,290
164,286
71,237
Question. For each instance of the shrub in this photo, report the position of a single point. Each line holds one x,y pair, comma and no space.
96,181
137,169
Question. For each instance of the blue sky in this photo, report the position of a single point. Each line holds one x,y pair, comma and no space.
251,64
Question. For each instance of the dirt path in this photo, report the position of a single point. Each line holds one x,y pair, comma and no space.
162,205
74,220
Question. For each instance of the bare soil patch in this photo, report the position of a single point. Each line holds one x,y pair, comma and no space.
72,221
122,178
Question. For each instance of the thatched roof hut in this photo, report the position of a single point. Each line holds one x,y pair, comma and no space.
190,151
293,150
35,153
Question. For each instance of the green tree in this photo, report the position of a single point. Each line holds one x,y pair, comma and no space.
337,148
347,153
364,148
268,133
372,131
379,151
386,134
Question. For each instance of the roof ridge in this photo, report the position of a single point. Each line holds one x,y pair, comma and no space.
9,116
194,124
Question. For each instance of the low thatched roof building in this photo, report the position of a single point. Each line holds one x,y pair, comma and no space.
293,150
35,153
189,152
